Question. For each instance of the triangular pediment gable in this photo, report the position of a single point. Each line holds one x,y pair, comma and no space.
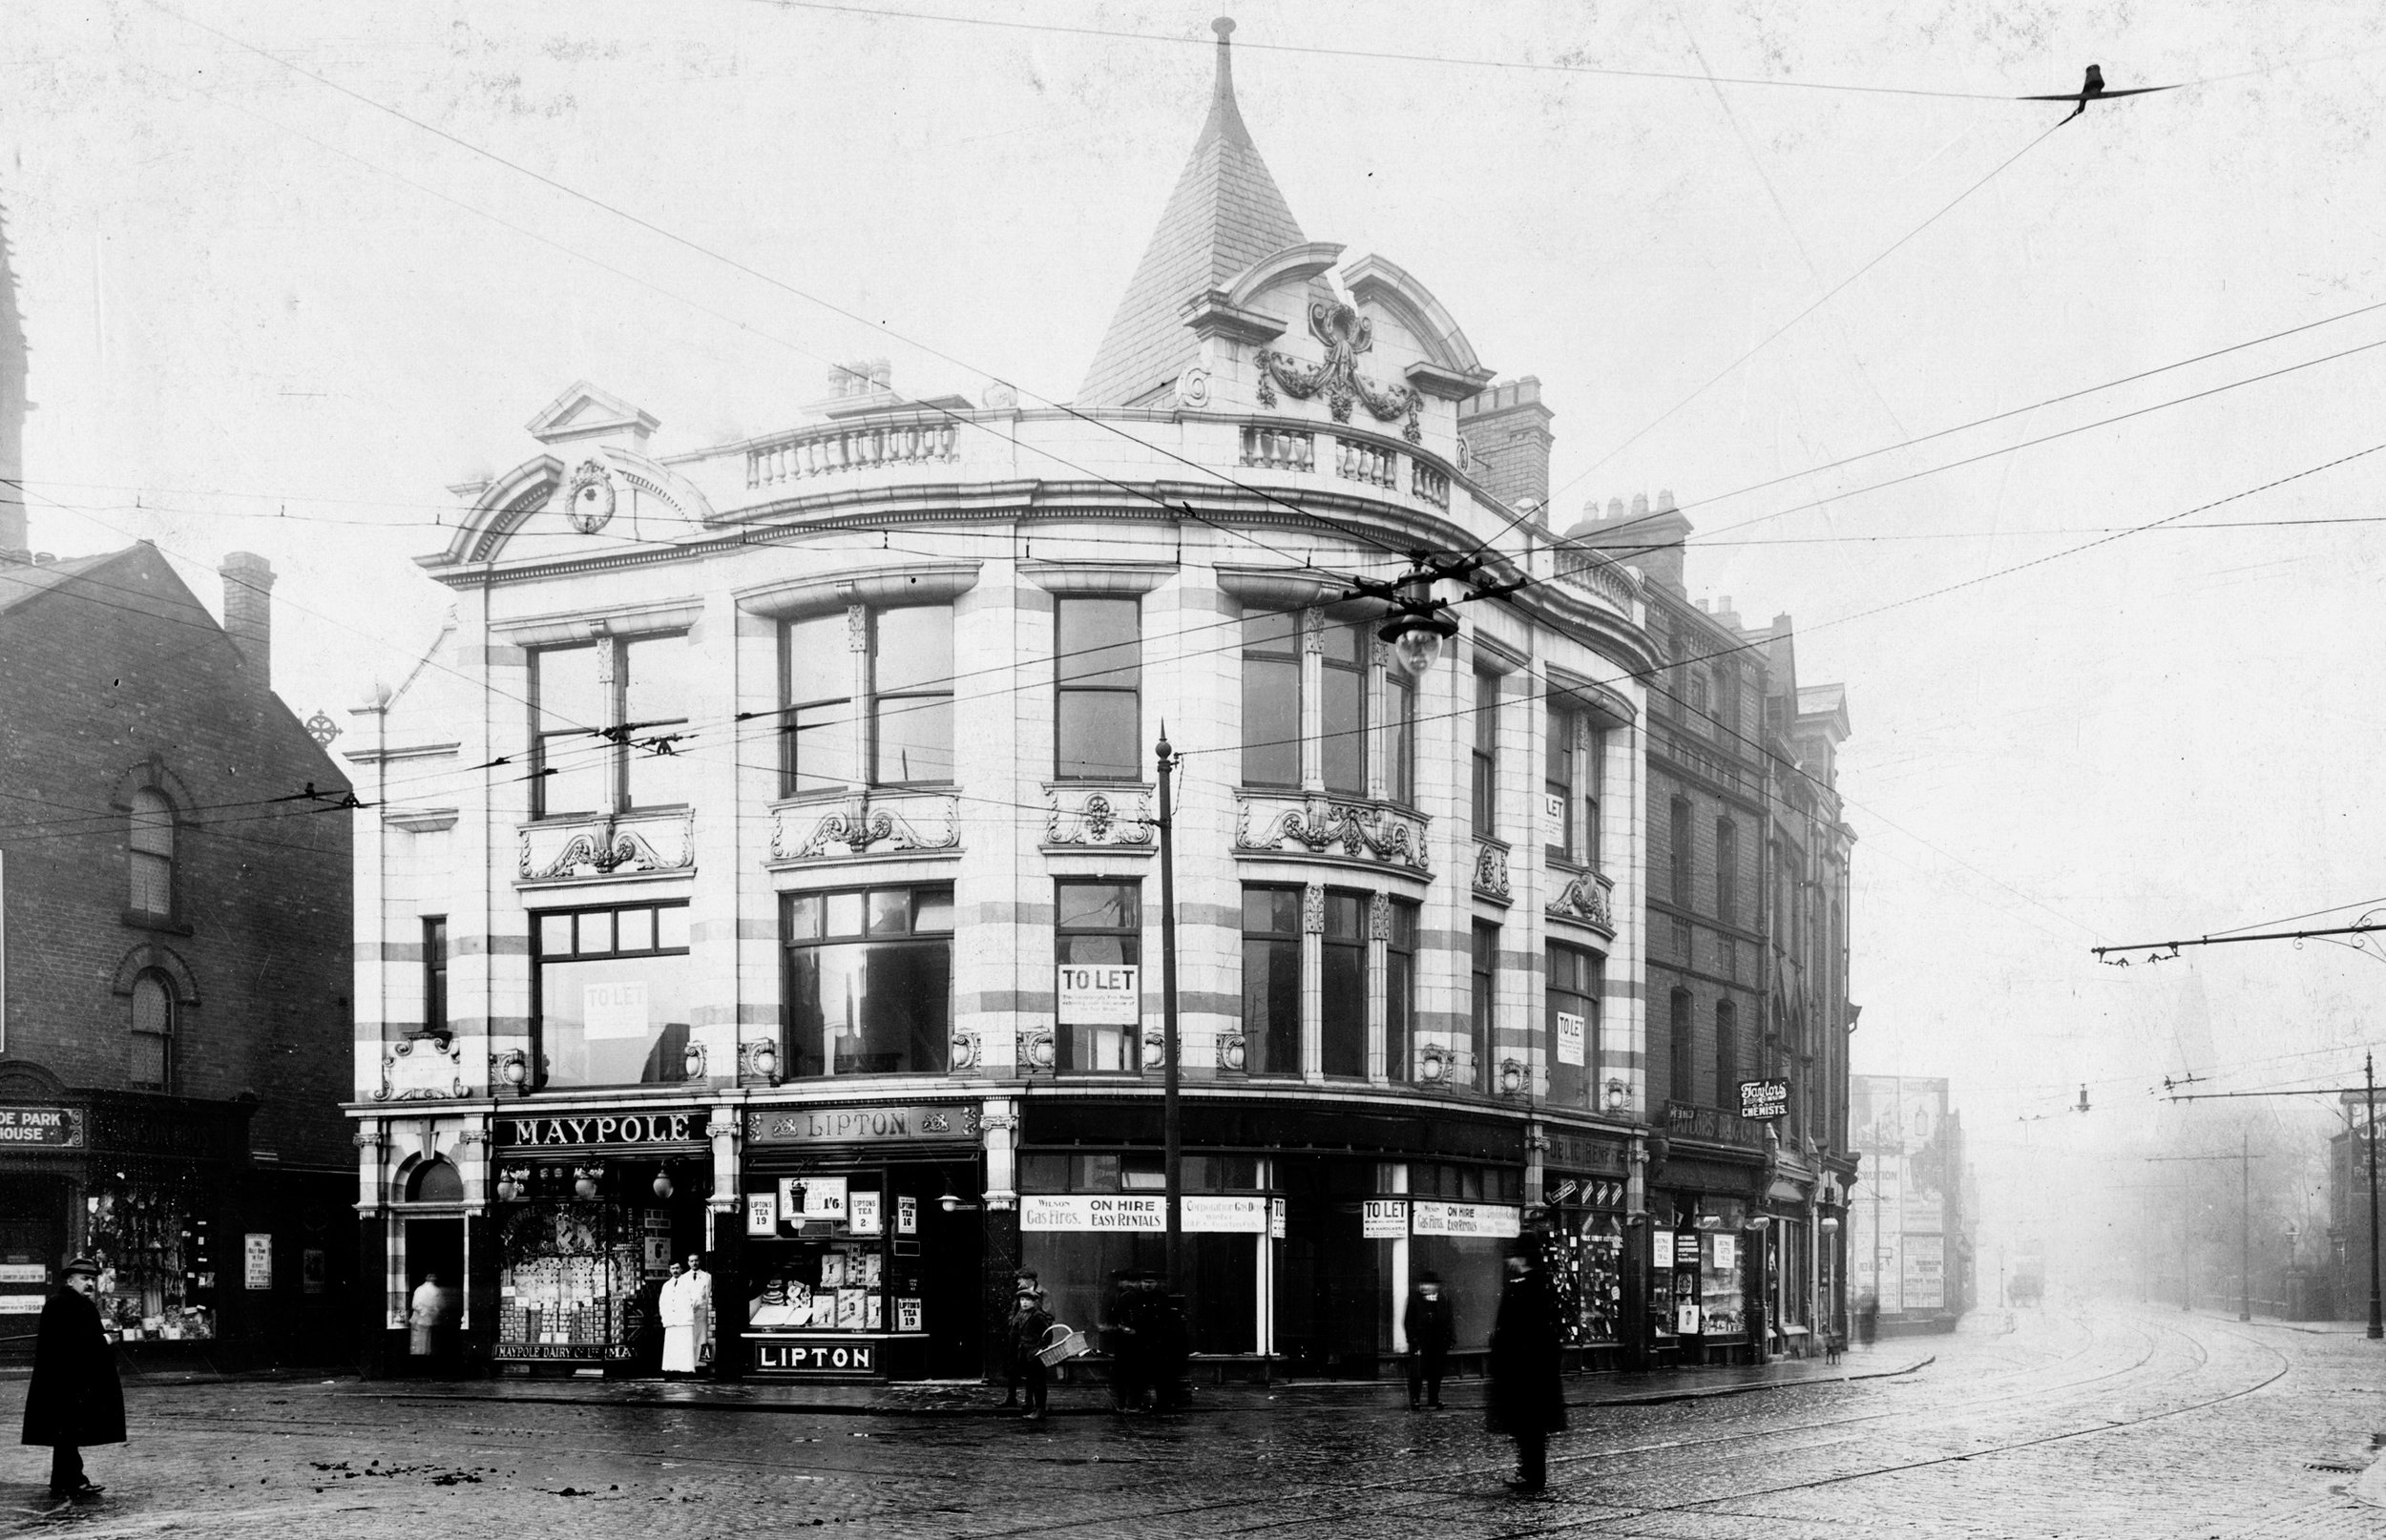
585,412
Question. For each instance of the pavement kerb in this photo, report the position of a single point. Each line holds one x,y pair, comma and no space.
1236,1399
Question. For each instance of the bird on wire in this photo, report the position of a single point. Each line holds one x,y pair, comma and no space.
2092,89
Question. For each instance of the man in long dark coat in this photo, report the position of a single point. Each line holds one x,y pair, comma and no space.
1528,1402
75,1400
1426,1322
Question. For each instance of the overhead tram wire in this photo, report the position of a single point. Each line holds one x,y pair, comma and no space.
762,533
664,233
1549,67
1720,374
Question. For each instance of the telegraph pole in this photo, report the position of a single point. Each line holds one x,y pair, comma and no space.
2245,1225
2369,1095
1172,1112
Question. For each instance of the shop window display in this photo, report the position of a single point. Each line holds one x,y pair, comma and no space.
157,1262
1722,1263
1582,1255
569,1275
836,1253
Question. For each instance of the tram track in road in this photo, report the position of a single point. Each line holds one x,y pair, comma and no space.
1438,1486
1591,1524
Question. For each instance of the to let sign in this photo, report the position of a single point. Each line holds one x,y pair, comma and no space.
57,1127
1764,1099
1099,994
1384,1218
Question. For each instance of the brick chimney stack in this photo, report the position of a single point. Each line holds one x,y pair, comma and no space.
1649,539
1507,436
248,608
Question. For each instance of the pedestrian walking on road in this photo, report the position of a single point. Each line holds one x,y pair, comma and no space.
1528,1402
1030,1321
76,1399
1427,1323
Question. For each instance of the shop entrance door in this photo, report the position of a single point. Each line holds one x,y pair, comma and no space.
1332,1312
33,1244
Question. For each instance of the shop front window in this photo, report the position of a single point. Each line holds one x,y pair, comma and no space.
1582,1253
613,1001
1343,1026
1271,979
157,1258
1098,926
1723,1297
870,981
1085,1272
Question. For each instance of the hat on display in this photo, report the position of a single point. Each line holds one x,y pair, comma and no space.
80,1265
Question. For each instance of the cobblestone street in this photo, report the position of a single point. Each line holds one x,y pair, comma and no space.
2094,1422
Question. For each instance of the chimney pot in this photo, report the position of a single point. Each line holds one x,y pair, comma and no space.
248,580
1640,505
1664,501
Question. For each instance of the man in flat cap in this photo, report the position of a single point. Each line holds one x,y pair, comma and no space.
76,1399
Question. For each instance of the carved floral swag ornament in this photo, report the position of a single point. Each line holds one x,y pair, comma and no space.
1346,334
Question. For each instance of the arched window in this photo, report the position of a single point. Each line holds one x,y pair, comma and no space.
149,1056
436,1182
150,854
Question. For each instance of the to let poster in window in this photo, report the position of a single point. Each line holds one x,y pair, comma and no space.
614,1012
1099,994
257,1252
1569,1038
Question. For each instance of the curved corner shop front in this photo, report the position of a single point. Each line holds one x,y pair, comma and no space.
881,1239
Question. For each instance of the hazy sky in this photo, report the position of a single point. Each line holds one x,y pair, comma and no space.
267,315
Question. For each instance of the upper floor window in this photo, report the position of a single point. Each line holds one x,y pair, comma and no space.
1590,779
1574,987
1348,654
1100,926
1727,1054
1271,698
149,1053
1271,979
1701,717
1485,978
911,695
1678,852
1342,1026
1558,783
1486,784
1681,1049
1400,737
870,981
1726,699
614,991
435,975
1400,990
898,730
1097,671
1726,870
150,854
608,716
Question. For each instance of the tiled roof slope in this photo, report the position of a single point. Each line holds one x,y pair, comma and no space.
1225,214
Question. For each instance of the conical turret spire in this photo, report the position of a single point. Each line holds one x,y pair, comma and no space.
1225,214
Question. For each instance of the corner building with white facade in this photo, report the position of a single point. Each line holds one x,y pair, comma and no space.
763,863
